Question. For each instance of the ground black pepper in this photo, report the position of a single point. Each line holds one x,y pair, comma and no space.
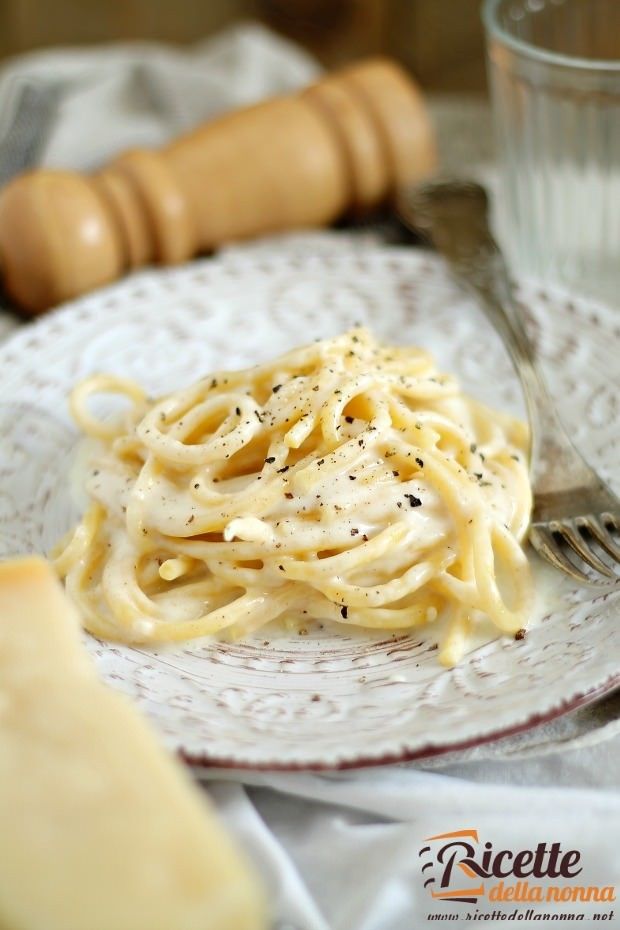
413,500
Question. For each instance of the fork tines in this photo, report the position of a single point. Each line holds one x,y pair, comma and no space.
569,544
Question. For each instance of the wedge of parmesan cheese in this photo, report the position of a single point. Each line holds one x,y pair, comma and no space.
99,828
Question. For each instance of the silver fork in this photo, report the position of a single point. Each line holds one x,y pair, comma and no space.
573,507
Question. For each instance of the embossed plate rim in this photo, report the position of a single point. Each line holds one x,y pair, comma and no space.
430,751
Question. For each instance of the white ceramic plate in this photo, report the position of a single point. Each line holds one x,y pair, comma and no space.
323,700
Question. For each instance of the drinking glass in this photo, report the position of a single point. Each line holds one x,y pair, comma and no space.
554,68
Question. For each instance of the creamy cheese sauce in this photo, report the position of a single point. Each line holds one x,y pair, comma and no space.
347,480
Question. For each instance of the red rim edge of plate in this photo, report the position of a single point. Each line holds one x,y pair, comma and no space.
425,752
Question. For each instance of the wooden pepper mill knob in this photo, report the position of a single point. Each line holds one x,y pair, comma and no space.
342,144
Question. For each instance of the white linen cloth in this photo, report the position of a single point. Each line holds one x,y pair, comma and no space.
338,851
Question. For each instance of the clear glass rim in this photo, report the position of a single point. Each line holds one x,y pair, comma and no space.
494,28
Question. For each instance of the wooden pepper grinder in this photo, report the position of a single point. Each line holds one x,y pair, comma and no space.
342,144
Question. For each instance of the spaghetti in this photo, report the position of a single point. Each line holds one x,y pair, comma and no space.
344,481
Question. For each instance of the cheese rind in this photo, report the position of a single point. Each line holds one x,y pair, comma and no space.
99,828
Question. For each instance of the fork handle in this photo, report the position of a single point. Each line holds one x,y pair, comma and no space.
455,216
555,464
